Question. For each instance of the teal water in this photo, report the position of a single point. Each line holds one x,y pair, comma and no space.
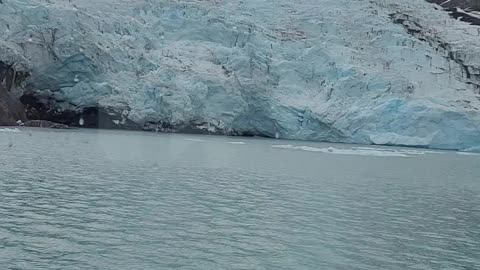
86,199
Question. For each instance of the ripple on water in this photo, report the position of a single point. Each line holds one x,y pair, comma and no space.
75,209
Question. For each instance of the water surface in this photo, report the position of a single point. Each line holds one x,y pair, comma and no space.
86,199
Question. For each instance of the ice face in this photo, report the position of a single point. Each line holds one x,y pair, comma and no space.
395,72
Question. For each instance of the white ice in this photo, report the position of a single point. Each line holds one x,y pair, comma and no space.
352,151
10,130
331,70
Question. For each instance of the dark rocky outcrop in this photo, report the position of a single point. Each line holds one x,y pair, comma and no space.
459,9
463,4
11,109
45,108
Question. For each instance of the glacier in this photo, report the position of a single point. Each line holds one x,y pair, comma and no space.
388,72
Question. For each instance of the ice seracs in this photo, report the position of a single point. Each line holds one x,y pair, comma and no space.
396,72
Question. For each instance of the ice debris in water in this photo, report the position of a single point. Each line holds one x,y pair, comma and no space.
357,151
467,154
12,130
195,140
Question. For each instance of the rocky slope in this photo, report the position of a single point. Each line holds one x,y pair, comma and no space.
11,109
397,72
464,10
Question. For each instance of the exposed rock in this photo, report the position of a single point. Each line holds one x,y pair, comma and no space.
463,4
44,108
11,109
464,10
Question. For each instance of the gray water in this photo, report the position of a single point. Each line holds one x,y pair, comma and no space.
87,199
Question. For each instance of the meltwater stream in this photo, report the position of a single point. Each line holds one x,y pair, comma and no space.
86,199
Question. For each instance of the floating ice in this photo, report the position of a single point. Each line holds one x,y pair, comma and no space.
467,154
195,140
12,130
352,151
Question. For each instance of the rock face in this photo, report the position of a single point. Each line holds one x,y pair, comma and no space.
11,109
397,72
464,10
467,5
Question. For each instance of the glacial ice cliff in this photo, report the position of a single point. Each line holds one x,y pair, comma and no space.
396,72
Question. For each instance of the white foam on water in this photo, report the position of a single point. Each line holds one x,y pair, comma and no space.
404,151
194,140
467,154
239,143
434,152
14,130
357,152
411,152
389,150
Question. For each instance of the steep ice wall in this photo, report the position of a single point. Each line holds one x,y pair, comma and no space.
394,72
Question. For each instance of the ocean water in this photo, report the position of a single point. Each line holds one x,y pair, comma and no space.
89,199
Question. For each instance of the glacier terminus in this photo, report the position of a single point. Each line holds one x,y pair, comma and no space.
389,72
